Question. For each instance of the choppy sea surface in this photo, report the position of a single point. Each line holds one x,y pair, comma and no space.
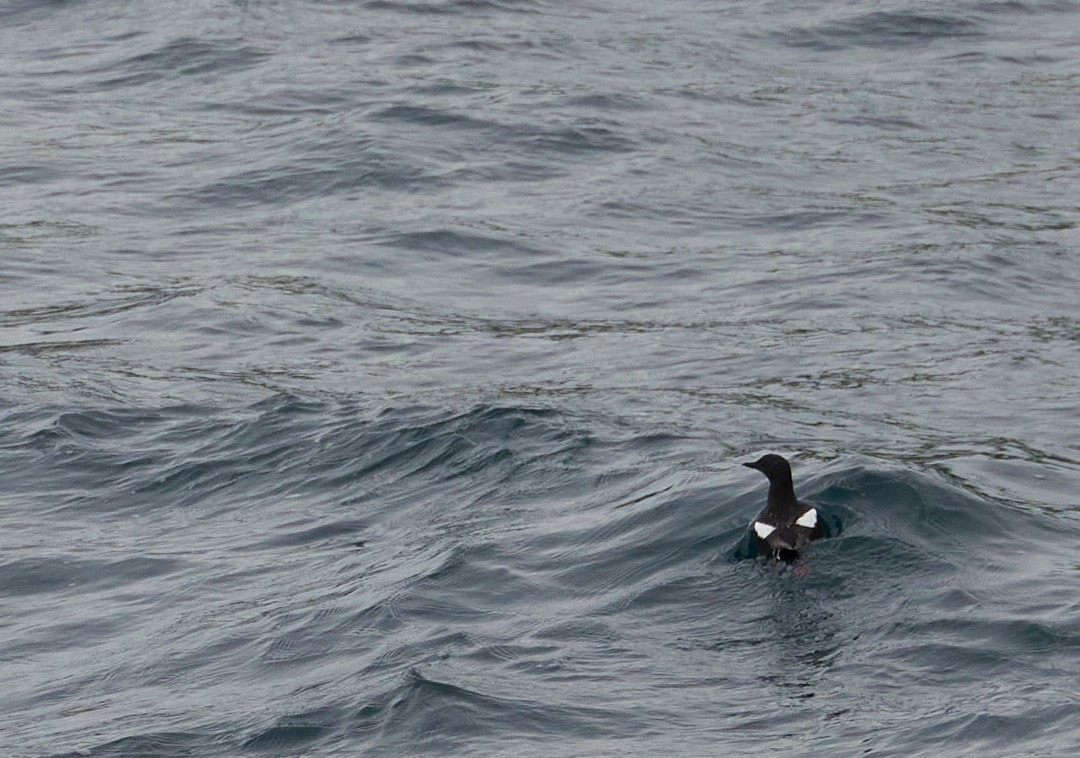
374,377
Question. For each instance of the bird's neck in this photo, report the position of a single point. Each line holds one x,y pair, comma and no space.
781,491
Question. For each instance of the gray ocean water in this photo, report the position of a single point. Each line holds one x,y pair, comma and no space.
374,377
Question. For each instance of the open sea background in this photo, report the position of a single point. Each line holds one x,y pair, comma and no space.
374,376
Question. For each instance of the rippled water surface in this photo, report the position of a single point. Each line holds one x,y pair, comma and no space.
374,377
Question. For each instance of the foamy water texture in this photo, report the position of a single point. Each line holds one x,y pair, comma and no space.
375,377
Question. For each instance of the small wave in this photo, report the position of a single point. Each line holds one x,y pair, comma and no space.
298,731
452,7
881,29
177,58
63,573
151,745
425,715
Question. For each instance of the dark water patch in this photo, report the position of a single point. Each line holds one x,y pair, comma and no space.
481,47
887,123
581,139
601,560
135,450
1011,637
504,169
367,161
445,88
413,8
1012,474
810,219
111,303
516,135
1052,328
453,7
36,232
1023,7
336,533
101,424
600,102
427,716
29,11
150,745
68,573
984,58
357,38
414,442
1009,217
178,58
16,175
31,644
43,348
285,184
428,116
882,29
929,510
287,102
1037,728
470,585
300,731
460,242
521,657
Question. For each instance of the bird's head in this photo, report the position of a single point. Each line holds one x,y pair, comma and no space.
772,465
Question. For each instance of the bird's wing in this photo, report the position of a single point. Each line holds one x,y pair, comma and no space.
808,519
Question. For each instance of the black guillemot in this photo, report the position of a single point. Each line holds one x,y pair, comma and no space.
786,526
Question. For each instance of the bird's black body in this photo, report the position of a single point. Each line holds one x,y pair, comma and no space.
786,526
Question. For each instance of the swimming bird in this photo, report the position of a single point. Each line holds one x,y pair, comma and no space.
786,526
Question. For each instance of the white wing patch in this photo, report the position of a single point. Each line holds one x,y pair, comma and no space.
808,519
763,530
